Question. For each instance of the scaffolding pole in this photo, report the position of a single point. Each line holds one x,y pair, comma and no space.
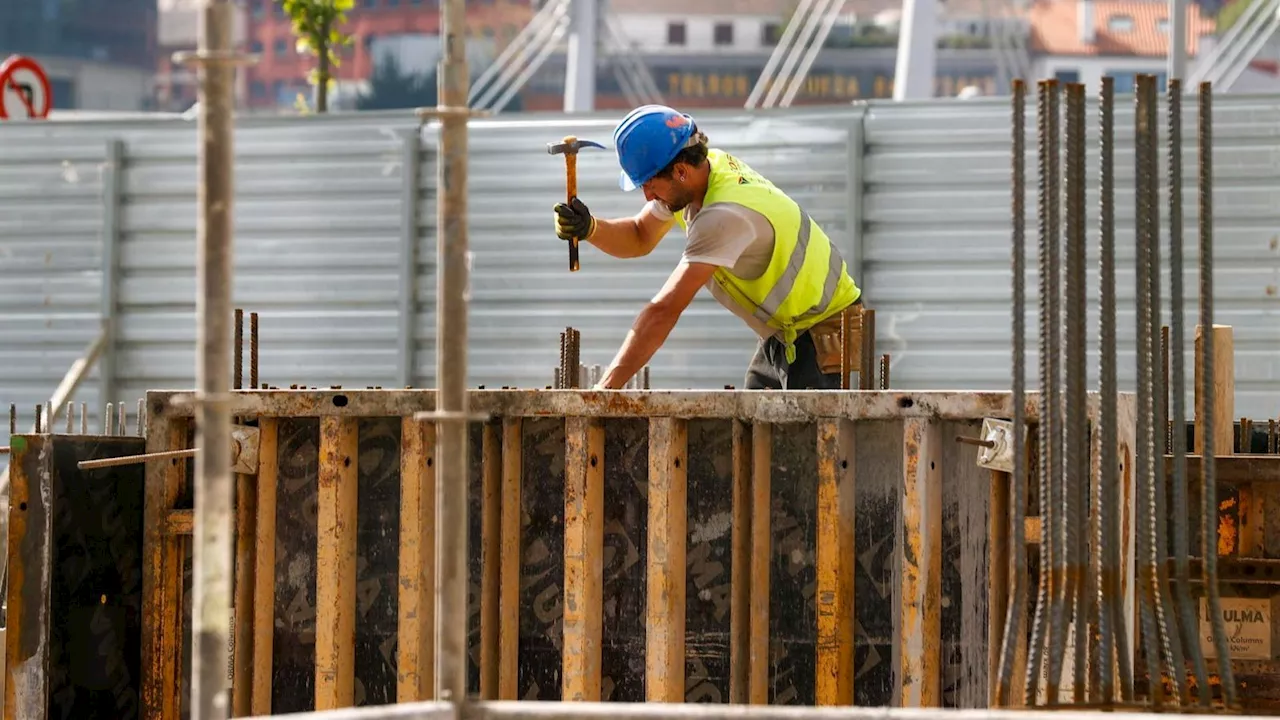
212,544
451,357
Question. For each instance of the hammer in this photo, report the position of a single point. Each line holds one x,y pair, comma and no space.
569,147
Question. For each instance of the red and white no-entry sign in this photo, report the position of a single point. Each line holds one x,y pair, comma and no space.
24,90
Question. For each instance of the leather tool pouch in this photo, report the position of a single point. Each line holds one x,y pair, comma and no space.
826,340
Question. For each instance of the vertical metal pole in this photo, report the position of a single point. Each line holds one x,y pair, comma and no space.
917,51
580,62
211,609
1177,68
451,357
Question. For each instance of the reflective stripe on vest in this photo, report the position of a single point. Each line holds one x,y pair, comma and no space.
766,311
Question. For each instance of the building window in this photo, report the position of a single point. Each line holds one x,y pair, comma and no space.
257,8
1120,23
280,48
370,3
770,33
1163,26
256,47
393,3
1067,76
258,89
675,33
723,34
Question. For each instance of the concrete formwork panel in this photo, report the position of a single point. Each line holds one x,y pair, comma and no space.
864,582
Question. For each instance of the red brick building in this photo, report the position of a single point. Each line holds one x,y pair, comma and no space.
281,72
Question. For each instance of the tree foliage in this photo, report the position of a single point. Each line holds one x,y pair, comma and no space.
317,25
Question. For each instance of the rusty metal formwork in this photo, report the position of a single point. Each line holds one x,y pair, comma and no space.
866,582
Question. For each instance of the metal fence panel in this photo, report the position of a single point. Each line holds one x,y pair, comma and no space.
915,195
318,232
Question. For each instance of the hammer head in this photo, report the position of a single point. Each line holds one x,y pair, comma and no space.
571,145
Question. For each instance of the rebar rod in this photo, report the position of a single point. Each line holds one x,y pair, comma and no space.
451,358
253,351
1166,620
1110,638
1177,338
1016,611
1056,528
1209,483
1035,645
1144,441
1076,436
237,372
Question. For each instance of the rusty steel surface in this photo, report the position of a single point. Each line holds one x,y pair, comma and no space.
667,537
27,645
774,406
836,562
920,624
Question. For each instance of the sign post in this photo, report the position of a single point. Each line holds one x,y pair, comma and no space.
25,93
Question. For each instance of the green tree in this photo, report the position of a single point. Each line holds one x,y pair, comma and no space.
1230,13
317,25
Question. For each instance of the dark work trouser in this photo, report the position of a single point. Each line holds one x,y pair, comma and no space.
769,369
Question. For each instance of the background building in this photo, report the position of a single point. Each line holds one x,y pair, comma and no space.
1083,40
407,30
99,54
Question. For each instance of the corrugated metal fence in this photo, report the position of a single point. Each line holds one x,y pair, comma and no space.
335,246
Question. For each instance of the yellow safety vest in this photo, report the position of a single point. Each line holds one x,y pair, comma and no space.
806,281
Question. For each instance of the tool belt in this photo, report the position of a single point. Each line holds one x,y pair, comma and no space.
827,337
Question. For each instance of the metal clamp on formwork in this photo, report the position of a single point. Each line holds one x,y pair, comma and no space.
996,442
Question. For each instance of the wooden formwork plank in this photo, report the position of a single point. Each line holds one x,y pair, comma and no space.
921,567
668,529
162,572
242,617
583,555
415,665
836,562
740,568
510,558
265,562
336,563
998,565
31,546
490,552
761,549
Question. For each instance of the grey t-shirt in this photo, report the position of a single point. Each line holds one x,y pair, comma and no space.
731,236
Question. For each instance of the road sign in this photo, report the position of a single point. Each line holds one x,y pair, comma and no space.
25,93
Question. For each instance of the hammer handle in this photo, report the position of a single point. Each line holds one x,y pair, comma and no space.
571,184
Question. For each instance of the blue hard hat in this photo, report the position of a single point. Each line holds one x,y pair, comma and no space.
646,140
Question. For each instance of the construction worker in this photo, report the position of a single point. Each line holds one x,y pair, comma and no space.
754,248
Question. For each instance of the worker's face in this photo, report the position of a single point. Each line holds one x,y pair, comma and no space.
673,190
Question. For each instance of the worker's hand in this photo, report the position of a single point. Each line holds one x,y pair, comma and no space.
573,220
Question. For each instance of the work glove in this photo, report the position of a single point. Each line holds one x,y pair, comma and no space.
574,220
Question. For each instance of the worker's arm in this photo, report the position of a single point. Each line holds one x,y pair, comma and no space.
628,237
655,323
